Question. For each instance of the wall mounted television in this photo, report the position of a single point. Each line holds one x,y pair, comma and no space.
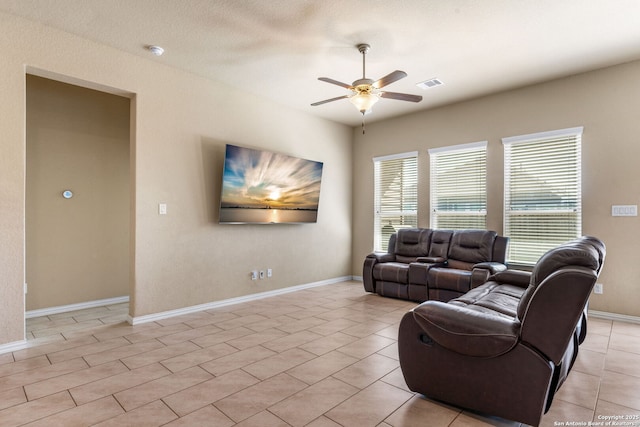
263,187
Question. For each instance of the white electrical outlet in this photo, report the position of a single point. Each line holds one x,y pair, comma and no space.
254,275
162,209
269,272
262,274
598,288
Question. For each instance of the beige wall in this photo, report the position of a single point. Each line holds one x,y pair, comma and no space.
605,102
77,249
180,125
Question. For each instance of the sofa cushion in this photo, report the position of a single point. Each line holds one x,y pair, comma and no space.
392,272
472,246
460,265
492,298
449,278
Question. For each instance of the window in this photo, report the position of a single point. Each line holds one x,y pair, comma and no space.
459,186
396,195
542,192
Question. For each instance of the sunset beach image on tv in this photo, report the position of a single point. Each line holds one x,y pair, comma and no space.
264,187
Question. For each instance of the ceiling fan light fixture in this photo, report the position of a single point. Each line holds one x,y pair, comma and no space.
366,92
364,101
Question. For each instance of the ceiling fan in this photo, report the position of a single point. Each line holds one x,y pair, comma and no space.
366,92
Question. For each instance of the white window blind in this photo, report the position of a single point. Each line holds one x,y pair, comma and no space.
459,186
542,192
396,196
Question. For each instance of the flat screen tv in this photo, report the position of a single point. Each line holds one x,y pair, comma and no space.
263,187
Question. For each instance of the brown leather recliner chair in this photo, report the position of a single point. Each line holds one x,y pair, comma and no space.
388,273
502,348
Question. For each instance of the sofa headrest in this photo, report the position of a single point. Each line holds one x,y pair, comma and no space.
472,246
441,236
440,240
574,253
598,245
412,242
570,254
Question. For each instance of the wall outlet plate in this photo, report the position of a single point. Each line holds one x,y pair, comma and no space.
254,275
598,288
624,210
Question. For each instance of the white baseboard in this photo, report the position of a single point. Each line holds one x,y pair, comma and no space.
614,316
19,345
356,278
216,304
73,307
13,346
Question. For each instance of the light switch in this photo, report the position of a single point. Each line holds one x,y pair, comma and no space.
162,209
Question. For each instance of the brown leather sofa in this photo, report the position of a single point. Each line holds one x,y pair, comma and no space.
505,347
424,264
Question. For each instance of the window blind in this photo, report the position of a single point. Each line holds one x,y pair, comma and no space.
459,186
542,192
396,196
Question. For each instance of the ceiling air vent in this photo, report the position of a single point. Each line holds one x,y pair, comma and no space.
431,83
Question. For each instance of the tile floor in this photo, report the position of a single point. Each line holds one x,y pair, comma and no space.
320,357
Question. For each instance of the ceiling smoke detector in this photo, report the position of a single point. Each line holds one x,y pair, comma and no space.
156,50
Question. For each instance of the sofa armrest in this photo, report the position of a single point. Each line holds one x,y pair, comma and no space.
370,262
481,272
518,278
419,271
382,256
493,267
467,331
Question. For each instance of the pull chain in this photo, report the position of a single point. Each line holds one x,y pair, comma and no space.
363,123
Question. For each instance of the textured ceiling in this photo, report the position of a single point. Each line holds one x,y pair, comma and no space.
277,49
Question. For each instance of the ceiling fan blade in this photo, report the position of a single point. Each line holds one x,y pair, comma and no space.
401,96
329,100
390,78
335,82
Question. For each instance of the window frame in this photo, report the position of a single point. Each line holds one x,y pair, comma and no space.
409,217
455,156
560,224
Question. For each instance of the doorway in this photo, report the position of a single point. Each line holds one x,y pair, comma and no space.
77,196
